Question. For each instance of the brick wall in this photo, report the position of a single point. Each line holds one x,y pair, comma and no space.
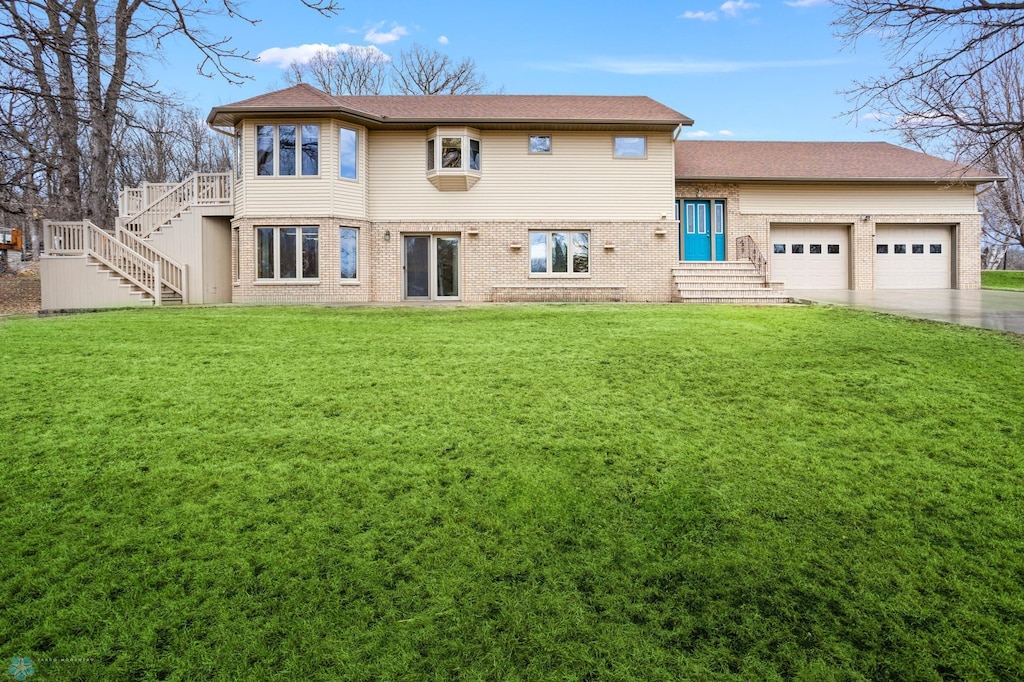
966,232
629,261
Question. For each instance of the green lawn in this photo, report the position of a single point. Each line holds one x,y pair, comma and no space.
511,493
1010,280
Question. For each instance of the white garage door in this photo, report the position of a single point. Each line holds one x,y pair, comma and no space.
912,257
811,256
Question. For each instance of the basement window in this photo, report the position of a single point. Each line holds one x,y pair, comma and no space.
559,253
287,253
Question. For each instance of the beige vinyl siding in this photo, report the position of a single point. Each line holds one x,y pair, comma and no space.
348,197
324,194
579,180
856,199
71,282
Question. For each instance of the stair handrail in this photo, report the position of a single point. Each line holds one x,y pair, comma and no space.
122,252
746,248
173,274
207,189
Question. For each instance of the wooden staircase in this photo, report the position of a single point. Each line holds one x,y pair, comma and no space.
735,281
125,253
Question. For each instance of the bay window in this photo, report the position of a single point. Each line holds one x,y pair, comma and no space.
454,158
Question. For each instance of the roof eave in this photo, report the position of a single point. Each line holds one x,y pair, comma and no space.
230,115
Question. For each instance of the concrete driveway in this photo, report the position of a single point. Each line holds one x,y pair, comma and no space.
1002,310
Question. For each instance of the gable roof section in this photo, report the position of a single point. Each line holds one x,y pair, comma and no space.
384,110
817,162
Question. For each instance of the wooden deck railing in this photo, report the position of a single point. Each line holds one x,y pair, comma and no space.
125,254
201,189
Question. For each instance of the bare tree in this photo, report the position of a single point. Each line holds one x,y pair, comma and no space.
353,71
938,49
423,71
997,93
70,68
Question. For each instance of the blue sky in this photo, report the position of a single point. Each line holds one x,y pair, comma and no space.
743,70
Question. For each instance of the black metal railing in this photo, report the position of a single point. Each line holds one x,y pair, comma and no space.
746,248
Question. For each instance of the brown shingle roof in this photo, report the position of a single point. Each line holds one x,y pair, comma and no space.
514,108
458,109
828,161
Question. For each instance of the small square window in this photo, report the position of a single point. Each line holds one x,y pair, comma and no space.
881,248
630,147
815,248
899,248
796,248
540,144
833,248
778,248
917,248
935,248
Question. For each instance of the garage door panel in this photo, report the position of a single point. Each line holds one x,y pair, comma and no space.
913,257
810,256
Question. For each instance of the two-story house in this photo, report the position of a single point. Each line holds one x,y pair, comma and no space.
517,198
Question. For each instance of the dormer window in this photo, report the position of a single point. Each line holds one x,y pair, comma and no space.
453,158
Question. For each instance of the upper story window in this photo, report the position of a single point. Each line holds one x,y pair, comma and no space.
454,159
238,154
540,144
288,149
630,147
348,152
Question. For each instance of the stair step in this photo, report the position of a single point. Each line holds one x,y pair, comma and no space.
739,300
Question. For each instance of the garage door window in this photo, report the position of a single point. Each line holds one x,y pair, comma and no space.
815,248
796,248
899,248
917,248
779,248
833,248
881,248
935,248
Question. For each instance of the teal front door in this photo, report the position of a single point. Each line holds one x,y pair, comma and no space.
701,232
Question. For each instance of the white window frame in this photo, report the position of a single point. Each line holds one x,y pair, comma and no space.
239,157
355,278
615,146
570,253
276,246
464,157
529,145
355,164
298,125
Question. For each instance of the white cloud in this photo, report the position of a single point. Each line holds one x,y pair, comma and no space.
375,36
726,133
300,54
701,16
697,133
648,67
733,8
443,40
807,3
